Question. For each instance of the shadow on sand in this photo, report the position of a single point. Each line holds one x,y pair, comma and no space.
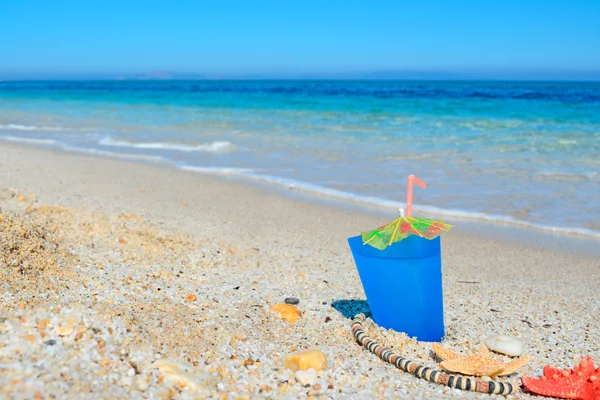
349,308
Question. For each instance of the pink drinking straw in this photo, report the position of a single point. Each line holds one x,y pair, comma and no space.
411,179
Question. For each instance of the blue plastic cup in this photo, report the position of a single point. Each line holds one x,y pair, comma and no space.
403,284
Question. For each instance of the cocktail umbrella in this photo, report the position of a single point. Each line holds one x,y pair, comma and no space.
404,226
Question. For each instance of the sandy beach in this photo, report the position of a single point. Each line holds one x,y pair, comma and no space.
131,280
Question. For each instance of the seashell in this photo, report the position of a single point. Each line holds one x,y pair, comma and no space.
185,375
304,360
503,344
287,311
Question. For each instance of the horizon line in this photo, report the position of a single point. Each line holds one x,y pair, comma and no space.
503,74
275,79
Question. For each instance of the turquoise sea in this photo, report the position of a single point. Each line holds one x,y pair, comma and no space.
525,153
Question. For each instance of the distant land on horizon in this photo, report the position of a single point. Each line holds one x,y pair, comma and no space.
489,74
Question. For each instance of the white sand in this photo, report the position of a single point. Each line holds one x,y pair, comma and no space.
240,249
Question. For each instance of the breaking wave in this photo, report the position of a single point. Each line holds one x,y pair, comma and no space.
17,127
211,147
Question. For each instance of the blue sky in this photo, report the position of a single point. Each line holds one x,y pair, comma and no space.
304,37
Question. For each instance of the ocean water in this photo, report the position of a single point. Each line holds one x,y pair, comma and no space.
525,153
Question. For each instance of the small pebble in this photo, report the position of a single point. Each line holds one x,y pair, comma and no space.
50,342
291,300
42,324
307,378
191,297
126,381
503,344
140,383
65,330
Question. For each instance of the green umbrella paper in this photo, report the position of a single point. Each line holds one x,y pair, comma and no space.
403,227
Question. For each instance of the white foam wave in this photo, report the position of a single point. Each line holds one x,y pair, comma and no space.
320,191
66,147
380,203
218,170
28,140
571,175
17,127
212,147
111,154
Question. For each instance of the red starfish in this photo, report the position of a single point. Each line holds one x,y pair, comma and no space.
580,383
